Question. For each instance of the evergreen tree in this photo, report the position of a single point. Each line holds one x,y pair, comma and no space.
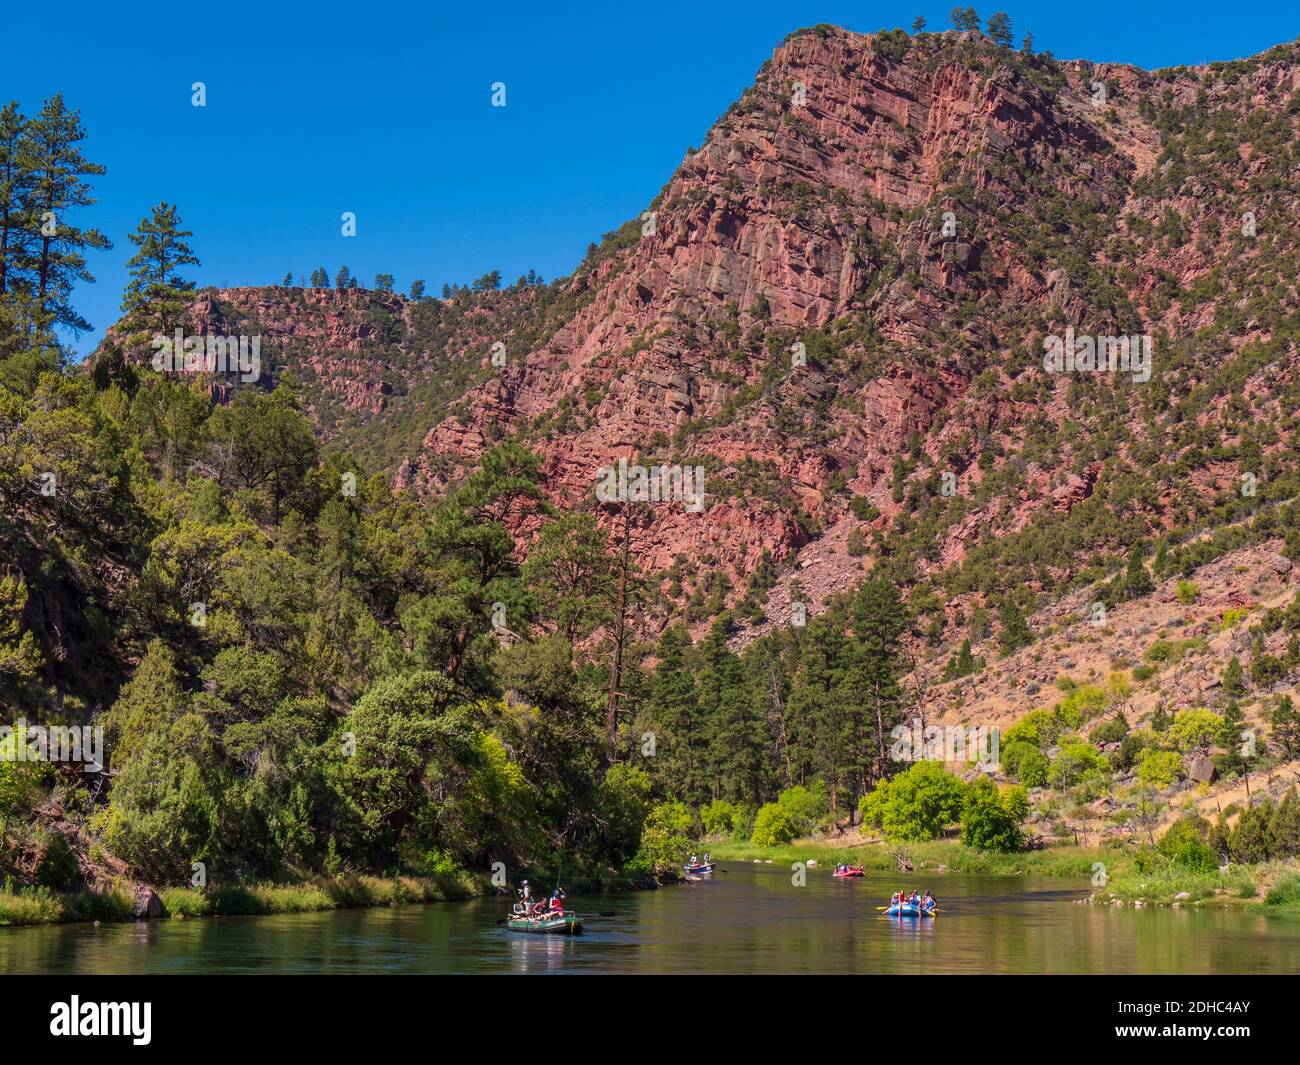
343,279
734,728
1015,632
964,18
1284,828
417,289
918,24
1027,46
1137,582
999,28
320,278
15,191
1234,678
383,282
1250,839
1229,738
674,714
879,623
288,280
1286,725
58,171
155,292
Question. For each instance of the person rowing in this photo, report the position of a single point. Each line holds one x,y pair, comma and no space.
929,901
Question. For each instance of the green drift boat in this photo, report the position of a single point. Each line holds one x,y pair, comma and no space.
569,924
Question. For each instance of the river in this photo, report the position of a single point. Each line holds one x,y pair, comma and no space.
743,919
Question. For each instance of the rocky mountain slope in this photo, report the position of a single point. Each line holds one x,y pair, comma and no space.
837,307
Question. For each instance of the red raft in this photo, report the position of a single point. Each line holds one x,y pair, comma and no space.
843,873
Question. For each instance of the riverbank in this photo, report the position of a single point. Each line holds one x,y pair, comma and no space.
1275,885
30,906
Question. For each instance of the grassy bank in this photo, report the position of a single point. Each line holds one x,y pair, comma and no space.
1273,884
941,855
40,906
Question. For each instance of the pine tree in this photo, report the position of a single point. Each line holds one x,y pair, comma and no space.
1015,632
675,719
343,278
999,28
15,190
1284,828
50,154
1234,678
320,278
417,289
964,18
1286,725
1229,738
1137,582
1250,839
918,24
879,623
156,294
383,282
1027,45
288,280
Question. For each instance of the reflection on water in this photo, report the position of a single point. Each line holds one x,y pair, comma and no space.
744,919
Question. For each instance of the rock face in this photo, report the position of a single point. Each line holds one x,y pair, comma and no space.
845,292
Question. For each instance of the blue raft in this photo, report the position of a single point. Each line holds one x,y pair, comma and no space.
909,910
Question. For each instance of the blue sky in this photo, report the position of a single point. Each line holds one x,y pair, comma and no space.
385,110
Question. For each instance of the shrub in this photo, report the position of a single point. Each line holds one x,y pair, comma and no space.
1033,770
1194,730
665,839
917,804
990,820
1075,760
1159,769
805,806
1185,845
773,826
719,817
1187,592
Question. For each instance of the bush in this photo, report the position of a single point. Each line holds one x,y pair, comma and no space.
1075,760
719,818
990,820
917,804
58,867
1187,592
1194,730
665,841
1159,769
805,806
773,826
1185,845
1033,770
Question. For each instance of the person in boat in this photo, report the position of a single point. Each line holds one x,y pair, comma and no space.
915,900
557,903
928,900
525,894
694,860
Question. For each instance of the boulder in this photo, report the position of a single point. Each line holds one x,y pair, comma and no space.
1200,768
146,905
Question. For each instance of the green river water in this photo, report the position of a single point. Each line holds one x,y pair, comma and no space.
743,919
